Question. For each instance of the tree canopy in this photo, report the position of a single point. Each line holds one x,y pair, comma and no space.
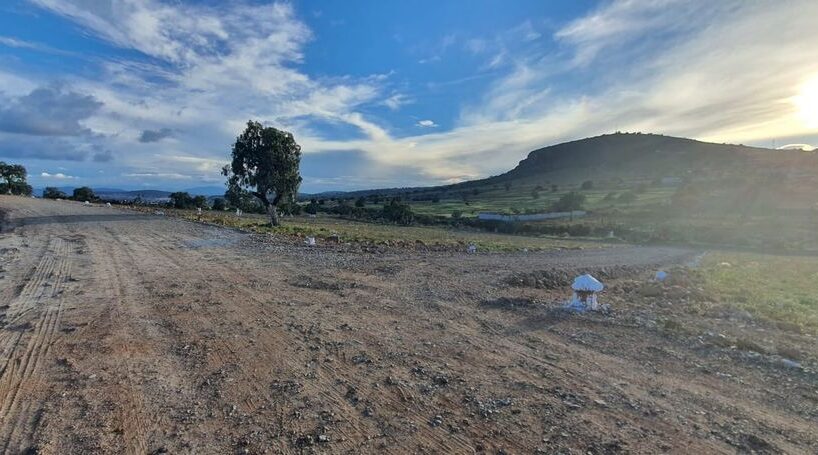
265,163
51,192
14,179
84,193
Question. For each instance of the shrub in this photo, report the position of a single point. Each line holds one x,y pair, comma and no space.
53,193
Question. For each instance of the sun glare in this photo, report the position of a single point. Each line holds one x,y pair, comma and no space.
807,102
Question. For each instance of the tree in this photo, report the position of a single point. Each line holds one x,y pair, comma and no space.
360,202
218,204
587,185
53,193
84,193
14,179
265,164
312,208
535,194
569,202
507,186
181,200
398,212
554,187
200,201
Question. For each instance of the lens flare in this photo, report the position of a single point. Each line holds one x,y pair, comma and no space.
807,103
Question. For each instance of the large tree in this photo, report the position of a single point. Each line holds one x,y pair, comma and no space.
265,164
51,192
84,193
13,177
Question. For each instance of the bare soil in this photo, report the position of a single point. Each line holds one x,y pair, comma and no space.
131,333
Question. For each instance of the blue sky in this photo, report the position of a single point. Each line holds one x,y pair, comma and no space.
151,94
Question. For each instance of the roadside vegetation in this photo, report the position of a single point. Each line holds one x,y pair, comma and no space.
773,287
334,228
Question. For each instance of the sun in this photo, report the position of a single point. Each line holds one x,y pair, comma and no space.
807,103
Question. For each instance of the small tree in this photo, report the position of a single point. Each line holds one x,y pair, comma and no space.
312,208
51,192
265,164
84,193
554,188
587,185
507,186
14,179
360,202
181,200
199,202
397,212
569,202
535,194
218,204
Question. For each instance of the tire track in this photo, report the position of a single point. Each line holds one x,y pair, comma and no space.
41,308
130,418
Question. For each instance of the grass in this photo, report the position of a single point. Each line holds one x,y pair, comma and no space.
324,226
496,198
778,288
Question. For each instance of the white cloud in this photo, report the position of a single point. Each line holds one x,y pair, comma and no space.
396,101
57,176
724,71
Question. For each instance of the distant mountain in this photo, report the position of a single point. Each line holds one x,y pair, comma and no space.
145,195
207,190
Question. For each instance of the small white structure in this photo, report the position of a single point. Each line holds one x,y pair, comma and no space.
107,204
87,203
310,241
238,212
585,289
472,248
661,275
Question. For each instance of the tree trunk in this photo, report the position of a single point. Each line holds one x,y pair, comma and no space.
272,212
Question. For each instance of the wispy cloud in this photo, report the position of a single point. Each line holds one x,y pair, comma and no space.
725,71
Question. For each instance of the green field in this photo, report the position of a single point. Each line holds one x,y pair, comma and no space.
773,287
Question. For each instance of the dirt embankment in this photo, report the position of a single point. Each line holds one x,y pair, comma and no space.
131,333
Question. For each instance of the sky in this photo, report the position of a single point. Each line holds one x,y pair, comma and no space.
137,94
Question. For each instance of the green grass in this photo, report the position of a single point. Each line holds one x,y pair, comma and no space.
779,288
496,199
323,226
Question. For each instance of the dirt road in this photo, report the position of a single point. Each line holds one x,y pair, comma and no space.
131,333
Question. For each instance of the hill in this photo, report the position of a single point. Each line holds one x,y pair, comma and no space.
628,156
653,155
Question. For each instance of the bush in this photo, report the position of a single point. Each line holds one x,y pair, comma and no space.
569,202
218,204
179,200
397,212
84,193
53,193
361,202
587,185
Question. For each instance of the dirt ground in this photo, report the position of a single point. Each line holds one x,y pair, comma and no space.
131,333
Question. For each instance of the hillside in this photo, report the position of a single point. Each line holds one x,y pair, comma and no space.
652,156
